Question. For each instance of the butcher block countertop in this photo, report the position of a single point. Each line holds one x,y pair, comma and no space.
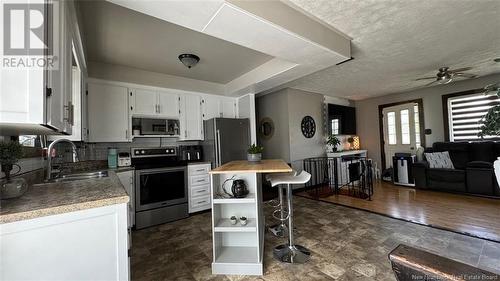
57,198
243,166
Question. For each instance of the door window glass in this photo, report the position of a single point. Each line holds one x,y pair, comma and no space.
417,126
391,127
405,126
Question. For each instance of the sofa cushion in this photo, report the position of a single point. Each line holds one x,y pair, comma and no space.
446,175
459,152
446,179
496,146
439,160
481,151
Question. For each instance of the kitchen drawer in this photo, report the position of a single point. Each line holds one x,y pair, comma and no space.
199,169
199,202
200,190
199,180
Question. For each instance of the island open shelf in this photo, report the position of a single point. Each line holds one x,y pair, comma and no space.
239,249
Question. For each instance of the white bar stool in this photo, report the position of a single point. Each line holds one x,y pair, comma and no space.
280,229
291,253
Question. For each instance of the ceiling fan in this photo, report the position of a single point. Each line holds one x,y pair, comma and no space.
445,75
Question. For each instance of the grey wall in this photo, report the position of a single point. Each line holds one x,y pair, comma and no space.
301,104
368,120
286,108
275,106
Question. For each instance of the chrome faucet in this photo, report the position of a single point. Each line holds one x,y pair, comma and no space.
49,155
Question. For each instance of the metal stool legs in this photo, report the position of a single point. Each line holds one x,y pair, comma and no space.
280,229
290,252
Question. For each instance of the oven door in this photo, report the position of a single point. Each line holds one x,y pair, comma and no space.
156,188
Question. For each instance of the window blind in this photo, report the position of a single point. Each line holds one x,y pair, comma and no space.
465,112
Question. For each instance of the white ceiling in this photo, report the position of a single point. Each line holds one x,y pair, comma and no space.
397,41
117,35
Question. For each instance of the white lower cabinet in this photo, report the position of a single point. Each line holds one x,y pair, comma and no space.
108,113
199,187
83,245
127,180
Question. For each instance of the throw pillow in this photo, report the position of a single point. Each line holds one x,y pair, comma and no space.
439,160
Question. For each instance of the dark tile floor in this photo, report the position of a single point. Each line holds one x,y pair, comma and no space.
346,244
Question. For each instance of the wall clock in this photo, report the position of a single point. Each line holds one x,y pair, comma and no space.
308,127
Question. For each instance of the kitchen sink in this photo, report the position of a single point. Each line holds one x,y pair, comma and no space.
80,176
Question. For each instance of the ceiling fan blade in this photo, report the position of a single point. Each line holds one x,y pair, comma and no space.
425,78
428,84
467,75
460,69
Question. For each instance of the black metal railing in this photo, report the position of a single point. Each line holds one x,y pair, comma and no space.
352,174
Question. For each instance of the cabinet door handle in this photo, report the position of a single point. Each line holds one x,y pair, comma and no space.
126,134
200,170
200,180
201,191
199,202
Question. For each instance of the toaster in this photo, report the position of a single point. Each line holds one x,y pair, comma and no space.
124,159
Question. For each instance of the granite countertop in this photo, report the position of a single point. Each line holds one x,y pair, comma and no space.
63,197
263,166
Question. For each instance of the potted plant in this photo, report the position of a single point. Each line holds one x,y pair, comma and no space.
491,124
333,141
10,152
255,153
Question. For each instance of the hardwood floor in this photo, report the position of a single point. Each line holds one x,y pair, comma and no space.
475,216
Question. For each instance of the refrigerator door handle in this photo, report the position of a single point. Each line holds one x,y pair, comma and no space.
218,154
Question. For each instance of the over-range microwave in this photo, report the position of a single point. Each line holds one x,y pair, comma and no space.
155,126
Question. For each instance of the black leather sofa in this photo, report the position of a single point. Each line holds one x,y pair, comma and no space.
473,168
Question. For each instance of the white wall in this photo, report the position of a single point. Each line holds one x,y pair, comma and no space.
368,119
133,75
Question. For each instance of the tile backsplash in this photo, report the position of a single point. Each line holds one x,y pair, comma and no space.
94,151
99,151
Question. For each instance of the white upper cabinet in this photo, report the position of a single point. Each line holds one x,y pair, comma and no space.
36,101
153,103
108,113
168,104
210,106
228,106
190,118
143,102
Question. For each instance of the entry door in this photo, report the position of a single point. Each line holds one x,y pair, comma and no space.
401,130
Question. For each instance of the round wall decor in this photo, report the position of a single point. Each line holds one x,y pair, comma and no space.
308,127
266,128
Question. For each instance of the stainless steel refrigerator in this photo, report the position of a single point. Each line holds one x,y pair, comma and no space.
226,139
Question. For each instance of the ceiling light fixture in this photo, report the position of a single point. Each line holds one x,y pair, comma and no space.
189,60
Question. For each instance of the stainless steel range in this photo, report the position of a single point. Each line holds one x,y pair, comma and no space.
160,186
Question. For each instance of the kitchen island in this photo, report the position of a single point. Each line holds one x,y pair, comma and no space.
239,249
